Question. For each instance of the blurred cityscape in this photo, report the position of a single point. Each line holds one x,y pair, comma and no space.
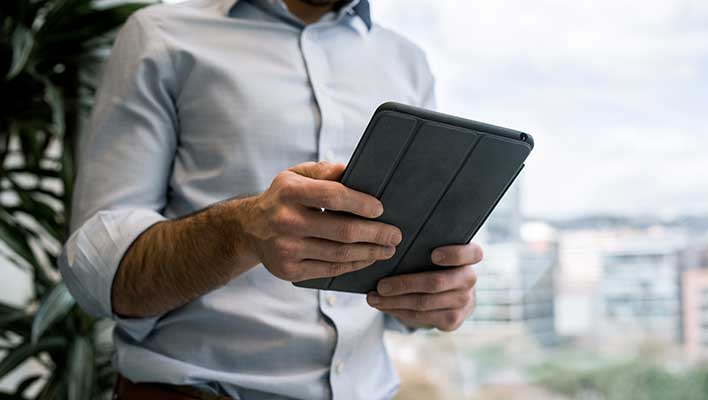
568,308
613,304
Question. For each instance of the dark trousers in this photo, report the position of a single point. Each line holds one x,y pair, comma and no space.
127,390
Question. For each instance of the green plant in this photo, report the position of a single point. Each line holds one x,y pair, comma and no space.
49,51
640,379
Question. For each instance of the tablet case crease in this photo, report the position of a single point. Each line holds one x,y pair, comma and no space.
439,177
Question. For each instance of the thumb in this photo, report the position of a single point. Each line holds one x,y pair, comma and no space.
324,170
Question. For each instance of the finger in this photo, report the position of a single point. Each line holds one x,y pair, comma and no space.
445,320
422,301
466,254
320,170
428,282
318,191
311,269
348,229
337,197
327,250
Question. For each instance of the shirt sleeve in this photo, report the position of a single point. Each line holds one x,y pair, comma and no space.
394,324
428,98
124,164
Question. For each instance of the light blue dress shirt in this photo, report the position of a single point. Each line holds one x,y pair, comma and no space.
207,100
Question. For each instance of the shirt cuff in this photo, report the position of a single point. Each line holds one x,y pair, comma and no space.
392,323
91,258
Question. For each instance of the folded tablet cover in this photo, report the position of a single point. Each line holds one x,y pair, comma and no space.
438,177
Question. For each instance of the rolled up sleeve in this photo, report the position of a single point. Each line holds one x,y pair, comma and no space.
124,166
91,258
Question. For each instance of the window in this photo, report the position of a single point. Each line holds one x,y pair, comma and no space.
582,266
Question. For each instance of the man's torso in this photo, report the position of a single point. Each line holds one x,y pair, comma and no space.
255,95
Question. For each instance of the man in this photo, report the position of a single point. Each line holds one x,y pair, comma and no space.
198,202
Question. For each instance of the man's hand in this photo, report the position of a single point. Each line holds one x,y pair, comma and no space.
442,299
174,262
295,240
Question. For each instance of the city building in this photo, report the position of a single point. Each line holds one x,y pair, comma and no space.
695,312
641,288
577,302
621,284
515,289
538,265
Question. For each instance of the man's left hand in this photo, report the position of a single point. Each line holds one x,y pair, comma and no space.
442,299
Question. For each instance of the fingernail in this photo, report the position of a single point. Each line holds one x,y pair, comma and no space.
438,257
374,299
389,252
396,238
378,210
384,287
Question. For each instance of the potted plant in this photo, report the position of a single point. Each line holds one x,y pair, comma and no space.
49,54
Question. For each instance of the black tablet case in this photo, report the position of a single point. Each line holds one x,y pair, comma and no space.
438,177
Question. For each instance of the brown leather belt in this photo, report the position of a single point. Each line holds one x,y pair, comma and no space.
127,390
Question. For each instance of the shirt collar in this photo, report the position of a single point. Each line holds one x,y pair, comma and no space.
363,10
360,8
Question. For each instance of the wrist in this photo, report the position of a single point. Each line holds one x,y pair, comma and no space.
240,219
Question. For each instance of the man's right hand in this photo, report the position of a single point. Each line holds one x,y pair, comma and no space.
289,233
175,261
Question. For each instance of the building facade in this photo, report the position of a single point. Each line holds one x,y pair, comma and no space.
515,289
695,312
641,290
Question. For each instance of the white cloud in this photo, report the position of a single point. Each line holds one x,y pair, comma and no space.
614,91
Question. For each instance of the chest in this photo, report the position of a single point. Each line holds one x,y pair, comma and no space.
254,100
267,84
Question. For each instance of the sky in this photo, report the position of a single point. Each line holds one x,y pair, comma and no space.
615,93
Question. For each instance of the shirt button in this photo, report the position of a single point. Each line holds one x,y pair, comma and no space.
332,300
339,367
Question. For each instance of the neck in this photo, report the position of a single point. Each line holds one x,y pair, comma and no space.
310,11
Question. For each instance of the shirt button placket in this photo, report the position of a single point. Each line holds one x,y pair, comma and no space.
318,74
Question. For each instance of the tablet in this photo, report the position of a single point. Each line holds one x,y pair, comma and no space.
438,177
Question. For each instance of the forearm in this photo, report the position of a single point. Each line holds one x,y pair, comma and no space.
174,262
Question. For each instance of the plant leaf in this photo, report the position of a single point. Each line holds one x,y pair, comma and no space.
51,389
16,238
54,307
6,308
25,384
86,27
26,350
13,319
80,370
10,317
41,172
53,98
60,10
103,337
67,172
22,43
8,396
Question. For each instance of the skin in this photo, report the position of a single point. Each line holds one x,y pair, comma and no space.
440,299
310,11
175,262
